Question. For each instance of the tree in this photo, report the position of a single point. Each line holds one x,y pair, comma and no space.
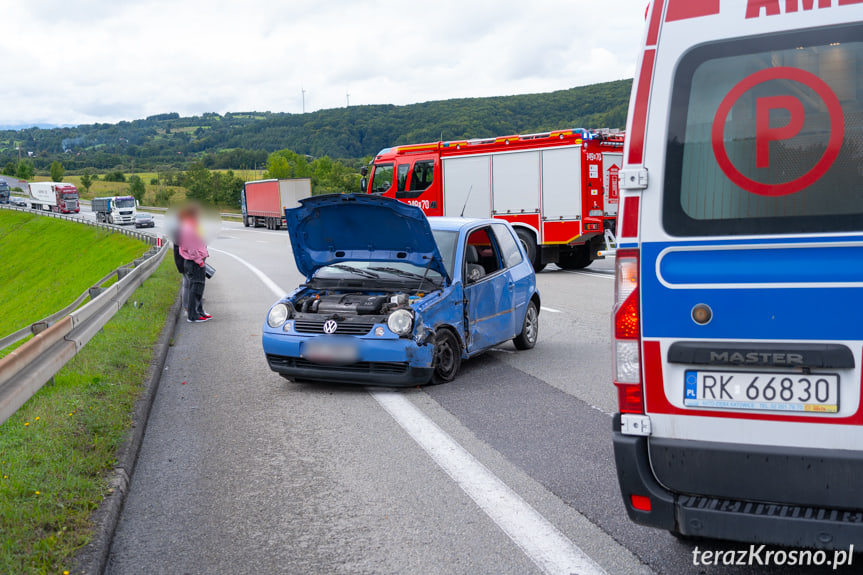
137,188
198,180
57,171
86,180
9,169
115,176
25,170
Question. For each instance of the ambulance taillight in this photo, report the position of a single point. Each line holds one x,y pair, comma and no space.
627,334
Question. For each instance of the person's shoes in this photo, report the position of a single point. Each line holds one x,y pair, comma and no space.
206,315
200,319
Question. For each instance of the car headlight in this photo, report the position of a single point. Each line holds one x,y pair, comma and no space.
400,322
279,314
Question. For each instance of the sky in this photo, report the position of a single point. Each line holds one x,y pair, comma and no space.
85,61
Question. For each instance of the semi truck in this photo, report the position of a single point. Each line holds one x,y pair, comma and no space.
4,192
263,202
115,209
558,189
54,197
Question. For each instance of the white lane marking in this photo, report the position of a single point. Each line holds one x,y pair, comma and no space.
541,541
274,287
609,276
550,309
538,538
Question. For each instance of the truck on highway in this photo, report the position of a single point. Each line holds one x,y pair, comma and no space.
263,202
54,197
4,192
558,189
115,209
737,330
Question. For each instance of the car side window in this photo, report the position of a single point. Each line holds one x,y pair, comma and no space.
482,257
402,177
508,245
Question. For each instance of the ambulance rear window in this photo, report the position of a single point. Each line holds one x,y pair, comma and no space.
766,136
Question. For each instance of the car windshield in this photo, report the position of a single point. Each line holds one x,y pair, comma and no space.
446,244
143,216
377,270
125,202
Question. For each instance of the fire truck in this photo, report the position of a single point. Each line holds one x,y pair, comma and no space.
558,189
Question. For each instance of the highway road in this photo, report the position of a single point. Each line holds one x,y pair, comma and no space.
509,469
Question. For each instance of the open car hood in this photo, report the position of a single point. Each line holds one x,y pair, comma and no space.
336,228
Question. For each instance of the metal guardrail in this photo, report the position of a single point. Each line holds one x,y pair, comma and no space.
60,336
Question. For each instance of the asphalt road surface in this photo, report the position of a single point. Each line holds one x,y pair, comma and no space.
509,469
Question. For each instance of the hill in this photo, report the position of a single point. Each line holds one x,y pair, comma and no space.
241,140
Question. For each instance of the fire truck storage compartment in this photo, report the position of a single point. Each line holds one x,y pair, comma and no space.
467,176
561,183
611,161
515,180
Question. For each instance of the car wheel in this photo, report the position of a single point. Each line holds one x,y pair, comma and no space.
447,356
529,330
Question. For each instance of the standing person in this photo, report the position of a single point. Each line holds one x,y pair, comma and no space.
180,262
194,251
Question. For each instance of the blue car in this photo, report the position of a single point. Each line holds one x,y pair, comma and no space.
394,298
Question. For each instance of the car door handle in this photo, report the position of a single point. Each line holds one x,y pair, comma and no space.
511,287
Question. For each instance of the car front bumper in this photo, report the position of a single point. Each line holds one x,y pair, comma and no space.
815,523
386,360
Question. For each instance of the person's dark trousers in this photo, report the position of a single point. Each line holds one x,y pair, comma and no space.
196,276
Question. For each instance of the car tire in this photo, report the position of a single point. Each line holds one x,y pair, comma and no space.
529,329
447,356
528,240
576,258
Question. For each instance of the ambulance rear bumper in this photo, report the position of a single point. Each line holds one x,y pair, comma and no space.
818,523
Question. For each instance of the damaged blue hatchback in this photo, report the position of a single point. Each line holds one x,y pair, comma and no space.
394,298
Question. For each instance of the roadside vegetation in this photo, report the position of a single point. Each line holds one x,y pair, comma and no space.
47,263
57,451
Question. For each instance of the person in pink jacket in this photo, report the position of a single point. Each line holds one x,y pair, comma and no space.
194,250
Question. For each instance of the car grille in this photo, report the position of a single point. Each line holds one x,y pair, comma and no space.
345,328
362,367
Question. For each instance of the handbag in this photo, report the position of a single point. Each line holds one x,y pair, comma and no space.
209,271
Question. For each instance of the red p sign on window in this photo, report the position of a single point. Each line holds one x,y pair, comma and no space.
764,134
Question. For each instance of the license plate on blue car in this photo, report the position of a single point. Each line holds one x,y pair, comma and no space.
330,350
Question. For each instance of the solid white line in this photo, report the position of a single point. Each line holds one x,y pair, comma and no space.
279,292
550,309
593,274
541,541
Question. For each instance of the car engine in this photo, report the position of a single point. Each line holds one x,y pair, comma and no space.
351,303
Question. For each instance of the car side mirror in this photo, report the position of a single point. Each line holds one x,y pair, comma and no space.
364,184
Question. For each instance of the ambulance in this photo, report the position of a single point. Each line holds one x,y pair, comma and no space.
738,318
559,189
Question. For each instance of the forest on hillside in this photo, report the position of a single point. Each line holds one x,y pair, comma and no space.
245,140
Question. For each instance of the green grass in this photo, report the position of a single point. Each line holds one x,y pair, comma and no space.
47,263
57,451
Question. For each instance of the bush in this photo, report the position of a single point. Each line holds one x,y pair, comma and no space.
154,181
116,176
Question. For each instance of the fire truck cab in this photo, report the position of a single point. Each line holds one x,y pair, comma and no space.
558,189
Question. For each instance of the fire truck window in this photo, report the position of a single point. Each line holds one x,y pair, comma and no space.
402,178
482,252
422,176
383,178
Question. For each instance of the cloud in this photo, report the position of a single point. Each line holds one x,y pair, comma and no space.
108,60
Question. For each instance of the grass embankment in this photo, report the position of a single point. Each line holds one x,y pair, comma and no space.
57,451
47,263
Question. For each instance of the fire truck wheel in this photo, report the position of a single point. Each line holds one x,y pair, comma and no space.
528,240
575,259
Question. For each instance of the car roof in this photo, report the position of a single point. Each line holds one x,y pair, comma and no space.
456,224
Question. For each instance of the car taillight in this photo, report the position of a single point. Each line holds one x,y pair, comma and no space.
627,334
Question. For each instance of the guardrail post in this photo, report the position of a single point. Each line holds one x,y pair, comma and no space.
122,272
39,327
95,291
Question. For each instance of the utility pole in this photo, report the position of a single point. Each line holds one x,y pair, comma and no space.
303,90
348,96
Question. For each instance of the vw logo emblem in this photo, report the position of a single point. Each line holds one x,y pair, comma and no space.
330,326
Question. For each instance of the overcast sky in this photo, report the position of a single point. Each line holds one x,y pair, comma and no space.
84,61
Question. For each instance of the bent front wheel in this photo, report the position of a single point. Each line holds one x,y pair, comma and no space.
447,356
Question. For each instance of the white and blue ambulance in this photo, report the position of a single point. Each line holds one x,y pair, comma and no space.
738,320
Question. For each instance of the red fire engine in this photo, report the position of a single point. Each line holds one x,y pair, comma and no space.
558,189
